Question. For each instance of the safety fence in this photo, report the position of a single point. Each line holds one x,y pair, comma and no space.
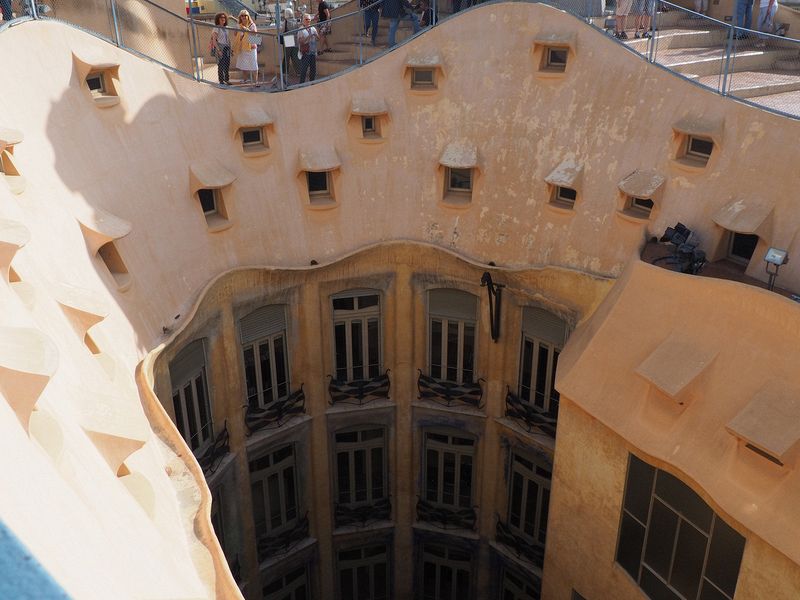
283,52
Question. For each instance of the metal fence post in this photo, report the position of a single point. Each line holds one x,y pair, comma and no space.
193,45
728,58
281,47
33,9
651,55
117,38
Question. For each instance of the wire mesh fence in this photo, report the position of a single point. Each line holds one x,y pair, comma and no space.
758,67
13,11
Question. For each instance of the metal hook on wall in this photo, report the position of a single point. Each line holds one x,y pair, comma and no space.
494,291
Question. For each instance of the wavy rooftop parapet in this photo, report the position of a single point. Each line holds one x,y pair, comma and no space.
754,67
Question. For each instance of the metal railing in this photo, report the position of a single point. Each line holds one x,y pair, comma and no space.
762,69
360,392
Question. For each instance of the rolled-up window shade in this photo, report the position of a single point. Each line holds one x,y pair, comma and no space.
187,363
263,322
543,325
453,304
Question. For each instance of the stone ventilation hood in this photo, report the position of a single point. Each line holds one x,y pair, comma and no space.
560,40
460,155
568,174
363,105
209,175
701,126
115,425
28,359
83,308
770,423
642,183
100,227
252,116
13,236
425,60
752,216
8,139
675,364
87,62
320,159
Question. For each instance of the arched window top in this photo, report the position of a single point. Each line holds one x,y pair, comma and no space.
262,322
187,362
453,304
544,325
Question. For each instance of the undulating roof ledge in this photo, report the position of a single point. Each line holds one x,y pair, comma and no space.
770,422
209,174
460,155
710,127
368,105
752,216
642,183
676,363
319,159
100,227
83,307
567,174
28,359
115,425
250,116
13,236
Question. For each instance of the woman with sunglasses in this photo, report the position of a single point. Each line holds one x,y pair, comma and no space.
221,47
247,57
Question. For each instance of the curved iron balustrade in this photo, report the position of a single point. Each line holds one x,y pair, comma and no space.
213,456
447,518
530,415
524,549
268,546
359,392
363,515
447,392
275,414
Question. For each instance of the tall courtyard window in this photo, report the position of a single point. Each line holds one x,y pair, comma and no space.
529,498
363,573
671,542
266,371
453,317
446,572
357,335
361,466
517,586
449,470
292,586
543,337
190,396
274,490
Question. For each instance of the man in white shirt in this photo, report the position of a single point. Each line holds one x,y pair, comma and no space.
307,42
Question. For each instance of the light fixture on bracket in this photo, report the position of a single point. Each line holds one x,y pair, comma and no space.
774,259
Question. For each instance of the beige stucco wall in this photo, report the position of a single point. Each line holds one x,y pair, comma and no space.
133,160
586,504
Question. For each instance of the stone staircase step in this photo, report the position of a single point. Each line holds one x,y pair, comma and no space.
788,102
750,84
678,38
711,61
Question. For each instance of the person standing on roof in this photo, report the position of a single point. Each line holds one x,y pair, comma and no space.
307,42
247,49
324,15
395,11
371,17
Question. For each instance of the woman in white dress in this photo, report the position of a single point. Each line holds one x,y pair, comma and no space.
247,58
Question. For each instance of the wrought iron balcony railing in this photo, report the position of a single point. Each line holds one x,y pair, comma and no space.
447,393
276,414
212,457
268,546
523,548
359,392
363,515
531,415
446,518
